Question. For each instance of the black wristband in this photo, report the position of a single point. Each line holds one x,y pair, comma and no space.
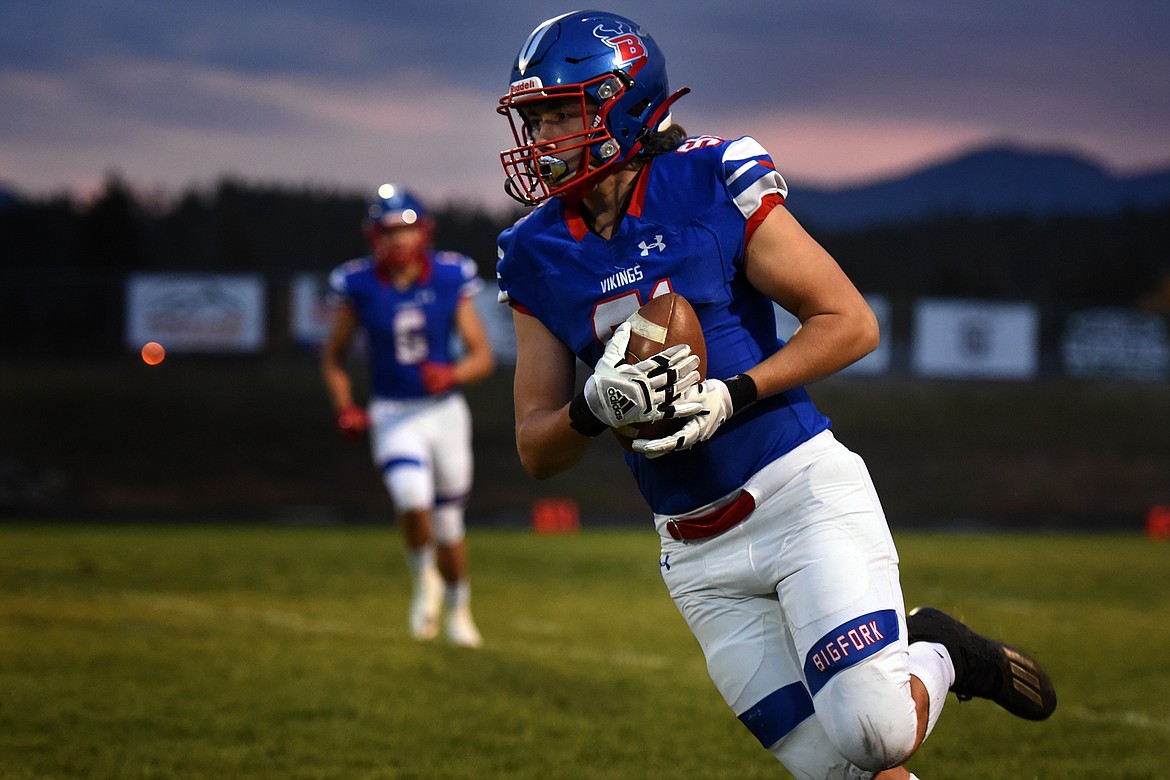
583,420
742,389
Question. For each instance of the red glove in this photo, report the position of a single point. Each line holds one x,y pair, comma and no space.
352,421
437,377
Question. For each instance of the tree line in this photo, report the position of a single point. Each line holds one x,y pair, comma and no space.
62,263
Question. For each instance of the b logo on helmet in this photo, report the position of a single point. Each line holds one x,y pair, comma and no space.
627,46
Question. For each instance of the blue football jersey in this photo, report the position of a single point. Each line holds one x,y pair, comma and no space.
685,231
405,327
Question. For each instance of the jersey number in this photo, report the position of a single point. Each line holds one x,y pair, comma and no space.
410,336
610,313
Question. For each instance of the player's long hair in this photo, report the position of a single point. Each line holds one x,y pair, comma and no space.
662,142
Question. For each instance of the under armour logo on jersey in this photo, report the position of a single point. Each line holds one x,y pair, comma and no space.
665,562
657,244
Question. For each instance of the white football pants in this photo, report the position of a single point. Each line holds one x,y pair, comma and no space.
800,615
422,447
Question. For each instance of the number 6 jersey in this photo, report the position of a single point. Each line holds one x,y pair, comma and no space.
405,327
690,216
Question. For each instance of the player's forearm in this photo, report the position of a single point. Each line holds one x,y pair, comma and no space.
546,444
822,346
474,367
333,356
337,385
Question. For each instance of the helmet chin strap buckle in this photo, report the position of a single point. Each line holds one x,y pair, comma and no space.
611,87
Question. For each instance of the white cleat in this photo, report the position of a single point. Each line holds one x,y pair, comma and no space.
461,630
426,604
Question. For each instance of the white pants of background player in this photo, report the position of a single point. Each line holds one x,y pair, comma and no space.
803,598
423,449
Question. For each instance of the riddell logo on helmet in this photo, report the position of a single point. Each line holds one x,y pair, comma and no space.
532,82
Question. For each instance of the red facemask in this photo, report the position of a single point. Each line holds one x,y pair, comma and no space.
410,250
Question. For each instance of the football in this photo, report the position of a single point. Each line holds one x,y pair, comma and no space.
663,322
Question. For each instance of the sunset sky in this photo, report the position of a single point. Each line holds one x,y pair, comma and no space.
349,94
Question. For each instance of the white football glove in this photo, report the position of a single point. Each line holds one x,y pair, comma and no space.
619,393
709,406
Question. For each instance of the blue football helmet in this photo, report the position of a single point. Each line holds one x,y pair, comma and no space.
393,207
616,73
392,210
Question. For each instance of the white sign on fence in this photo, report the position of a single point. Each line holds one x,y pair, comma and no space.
196,312
976,339
309,312
1117,344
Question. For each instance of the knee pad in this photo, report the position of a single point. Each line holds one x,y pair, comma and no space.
409,485
447,524
808,754
868,715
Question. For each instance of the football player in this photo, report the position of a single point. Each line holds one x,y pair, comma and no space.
775,547
410,300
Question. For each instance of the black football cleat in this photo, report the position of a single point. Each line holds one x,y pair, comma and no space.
986,668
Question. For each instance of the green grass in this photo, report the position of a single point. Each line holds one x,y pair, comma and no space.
263,651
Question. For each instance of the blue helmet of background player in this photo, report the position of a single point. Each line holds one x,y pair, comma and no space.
392,207
609,64
391,211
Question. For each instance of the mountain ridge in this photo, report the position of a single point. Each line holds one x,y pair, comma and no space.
993,180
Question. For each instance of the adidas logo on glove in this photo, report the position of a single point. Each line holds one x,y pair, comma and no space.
618,402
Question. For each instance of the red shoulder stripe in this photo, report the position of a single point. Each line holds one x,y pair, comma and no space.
770,201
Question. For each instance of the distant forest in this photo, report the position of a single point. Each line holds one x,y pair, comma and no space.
62,264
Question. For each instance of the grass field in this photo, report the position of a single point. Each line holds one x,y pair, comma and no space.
266,651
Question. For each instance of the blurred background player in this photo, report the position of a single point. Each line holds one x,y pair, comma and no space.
774,545
411,300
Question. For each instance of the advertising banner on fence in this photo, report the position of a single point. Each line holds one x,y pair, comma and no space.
976,339
309,311
196,312
1116,344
